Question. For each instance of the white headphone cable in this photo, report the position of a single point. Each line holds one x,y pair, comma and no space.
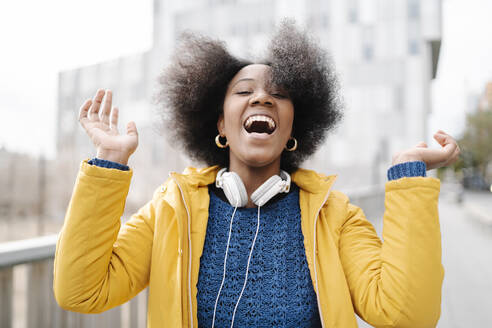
225,265
247,268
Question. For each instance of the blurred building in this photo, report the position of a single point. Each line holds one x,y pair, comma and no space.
385,52
23,186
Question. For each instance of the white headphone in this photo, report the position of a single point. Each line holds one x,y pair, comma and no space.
236,194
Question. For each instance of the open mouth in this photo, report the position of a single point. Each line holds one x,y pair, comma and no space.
260,124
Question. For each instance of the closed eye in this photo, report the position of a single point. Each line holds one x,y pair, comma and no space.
243,92
279,95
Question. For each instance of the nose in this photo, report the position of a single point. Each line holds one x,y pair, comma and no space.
262,98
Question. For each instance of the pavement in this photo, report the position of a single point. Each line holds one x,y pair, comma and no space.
466,254
479,205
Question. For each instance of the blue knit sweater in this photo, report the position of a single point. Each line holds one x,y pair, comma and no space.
279,291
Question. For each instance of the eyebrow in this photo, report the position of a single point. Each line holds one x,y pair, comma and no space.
243,79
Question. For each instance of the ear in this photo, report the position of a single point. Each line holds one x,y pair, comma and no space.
220,125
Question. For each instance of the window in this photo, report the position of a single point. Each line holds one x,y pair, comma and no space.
398,90
352,11
413,9
413,47
324,20
367,51
368,43
259,27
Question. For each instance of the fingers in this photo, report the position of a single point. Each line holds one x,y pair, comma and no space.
114,119
449,152
455,156
96,104
106,110
443,138
446,141
131,129
84,110
433,158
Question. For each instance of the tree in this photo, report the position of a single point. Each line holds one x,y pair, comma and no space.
476,143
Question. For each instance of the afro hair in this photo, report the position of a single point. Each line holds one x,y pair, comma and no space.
194,85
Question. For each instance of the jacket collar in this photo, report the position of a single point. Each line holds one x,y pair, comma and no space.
194,177
307,180
313,182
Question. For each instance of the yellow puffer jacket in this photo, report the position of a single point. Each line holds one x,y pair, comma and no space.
395,284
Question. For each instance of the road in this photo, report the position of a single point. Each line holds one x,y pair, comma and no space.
467,258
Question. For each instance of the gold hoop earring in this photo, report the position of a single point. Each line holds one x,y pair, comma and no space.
219,144
294,147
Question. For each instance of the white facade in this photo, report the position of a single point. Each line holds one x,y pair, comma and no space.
385,53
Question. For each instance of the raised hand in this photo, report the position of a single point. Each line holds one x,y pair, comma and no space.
433,158
102,127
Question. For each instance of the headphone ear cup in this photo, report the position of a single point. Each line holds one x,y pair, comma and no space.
239,190
267,190
286,177
233,188
273,186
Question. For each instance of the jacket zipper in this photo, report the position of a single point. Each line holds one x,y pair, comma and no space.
314,258
190,305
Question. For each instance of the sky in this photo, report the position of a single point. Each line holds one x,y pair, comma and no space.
40,38
465,63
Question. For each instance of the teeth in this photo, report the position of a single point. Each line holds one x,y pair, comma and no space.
263,118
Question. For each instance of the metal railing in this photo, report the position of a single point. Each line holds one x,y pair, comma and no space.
34,258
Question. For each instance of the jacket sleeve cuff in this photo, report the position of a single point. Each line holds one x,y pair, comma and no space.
407,169
105,173
108,164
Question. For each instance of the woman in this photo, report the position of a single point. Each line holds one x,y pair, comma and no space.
252,240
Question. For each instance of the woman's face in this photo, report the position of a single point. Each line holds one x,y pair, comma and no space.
257,118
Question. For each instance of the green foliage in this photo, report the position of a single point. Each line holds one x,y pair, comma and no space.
476,143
